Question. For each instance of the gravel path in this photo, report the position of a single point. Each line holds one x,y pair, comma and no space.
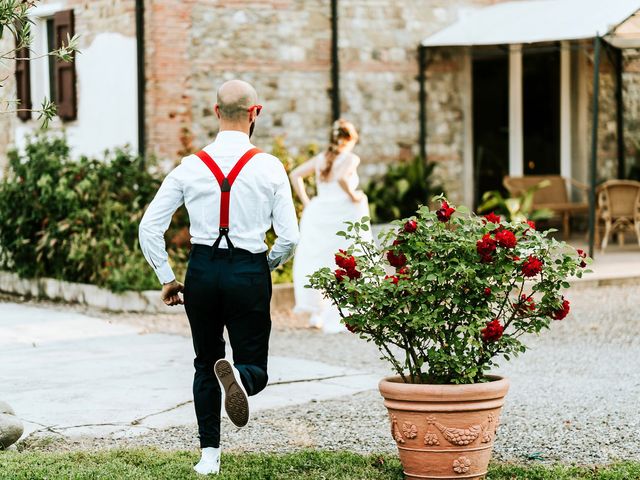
574,397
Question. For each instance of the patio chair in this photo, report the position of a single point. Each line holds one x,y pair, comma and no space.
619,209
555,197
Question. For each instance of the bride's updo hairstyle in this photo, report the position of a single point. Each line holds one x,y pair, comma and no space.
342,133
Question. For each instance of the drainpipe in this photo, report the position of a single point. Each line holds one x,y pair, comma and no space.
335,63
422,101
141,76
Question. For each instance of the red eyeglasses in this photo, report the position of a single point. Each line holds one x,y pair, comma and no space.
257,108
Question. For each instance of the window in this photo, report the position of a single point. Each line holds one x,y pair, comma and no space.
50,77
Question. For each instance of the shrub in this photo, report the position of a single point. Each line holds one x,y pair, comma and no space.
516,209
445,294
401,190
76,220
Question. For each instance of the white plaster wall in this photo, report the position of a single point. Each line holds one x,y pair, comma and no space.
107,98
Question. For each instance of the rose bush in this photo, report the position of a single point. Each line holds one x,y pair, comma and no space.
449,292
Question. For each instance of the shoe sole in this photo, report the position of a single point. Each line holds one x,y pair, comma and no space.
236,402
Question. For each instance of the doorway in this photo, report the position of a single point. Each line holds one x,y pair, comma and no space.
541,111
490,74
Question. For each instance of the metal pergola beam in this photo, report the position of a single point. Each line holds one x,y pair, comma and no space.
597,49
622,170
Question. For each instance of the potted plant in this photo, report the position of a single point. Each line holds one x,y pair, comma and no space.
445,295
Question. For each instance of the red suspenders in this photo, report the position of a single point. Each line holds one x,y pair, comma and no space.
225,187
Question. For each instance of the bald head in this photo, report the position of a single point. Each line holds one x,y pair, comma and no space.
235,97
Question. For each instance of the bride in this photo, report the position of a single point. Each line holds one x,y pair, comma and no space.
337,201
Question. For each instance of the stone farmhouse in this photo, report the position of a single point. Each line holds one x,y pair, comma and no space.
148,71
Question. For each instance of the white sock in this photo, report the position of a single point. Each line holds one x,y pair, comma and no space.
209,462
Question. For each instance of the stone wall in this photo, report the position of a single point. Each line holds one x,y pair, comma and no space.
445,118
607,129
283,48
93,17
631,96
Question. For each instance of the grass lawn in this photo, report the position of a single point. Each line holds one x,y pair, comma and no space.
143,464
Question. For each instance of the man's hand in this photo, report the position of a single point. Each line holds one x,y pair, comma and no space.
170,293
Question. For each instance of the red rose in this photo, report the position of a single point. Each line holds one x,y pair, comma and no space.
563,311
445,212
340,274
526,303
486,247
487,291
532,266
392,278
506,239
353,274
582,255
532,224
351,328
492,332
429,255
398,241
411,226
515,258
345,261
404,271
486,258
396,259
492,218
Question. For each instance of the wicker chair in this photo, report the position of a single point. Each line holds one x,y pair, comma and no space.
555,197
619,209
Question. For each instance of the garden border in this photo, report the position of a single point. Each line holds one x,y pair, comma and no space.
147,301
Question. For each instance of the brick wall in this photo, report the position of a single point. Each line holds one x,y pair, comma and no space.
168,76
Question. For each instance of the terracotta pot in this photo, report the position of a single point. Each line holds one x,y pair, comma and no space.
444,431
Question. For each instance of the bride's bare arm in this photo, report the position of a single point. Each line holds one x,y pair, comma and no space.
343,180
297,179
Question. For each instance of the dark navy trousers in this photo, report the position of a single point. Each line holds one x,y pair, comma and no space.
231,289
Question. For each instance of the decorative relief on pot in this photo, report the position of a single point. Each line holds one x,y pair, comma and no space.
431,439
409,430
461,465
395,431
457,436
487,431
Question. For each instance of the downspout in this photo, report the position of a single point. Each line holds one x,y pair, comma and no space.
422,101
335,63
594,143
141,76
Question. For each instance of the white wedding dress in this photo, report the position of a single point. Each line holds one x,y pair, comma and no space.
322,218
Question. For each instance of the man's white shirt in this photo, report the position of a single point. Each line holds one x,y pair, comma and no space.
260,197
